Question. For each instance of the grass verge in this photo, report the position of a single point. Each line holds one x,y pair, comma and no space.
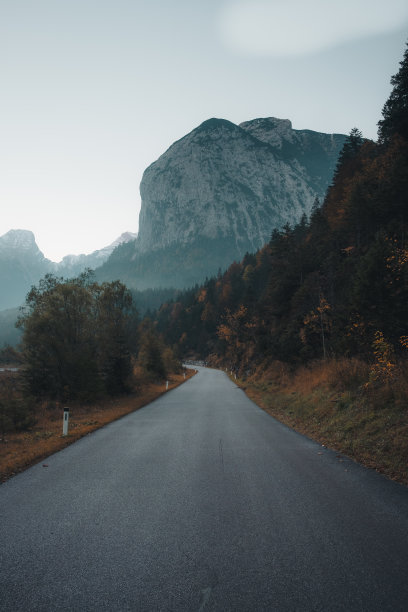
330,403
20,450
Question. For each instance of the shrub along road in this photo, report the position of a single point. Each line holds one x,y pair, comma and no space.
202,501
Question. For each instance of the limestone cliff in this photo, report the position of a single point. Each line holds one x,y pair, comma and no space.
219,192
234,182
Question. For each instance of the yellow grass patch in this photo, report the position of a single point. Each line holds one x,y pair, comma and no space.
330,402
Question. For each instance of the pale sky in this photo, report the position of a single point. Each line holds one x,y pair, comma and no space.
94,91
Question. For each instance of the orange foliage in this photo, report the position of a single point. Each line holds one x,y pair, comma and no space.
202,294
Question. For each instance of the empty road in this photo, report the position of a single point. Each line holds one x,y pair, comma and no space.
201,501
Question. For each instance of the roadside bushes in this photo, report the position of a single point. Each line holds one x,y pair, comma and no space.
9,355
15,409
155,360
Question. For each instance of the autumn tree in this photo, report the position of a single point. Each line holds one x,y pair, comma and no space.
318,322
236,332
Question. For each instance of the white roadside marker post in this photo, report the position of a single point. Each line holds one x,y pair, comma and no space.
167,385
65,422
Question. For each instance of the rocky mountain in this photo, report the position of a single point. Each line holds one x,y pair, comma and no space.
234,182
22,264
72,265
219,192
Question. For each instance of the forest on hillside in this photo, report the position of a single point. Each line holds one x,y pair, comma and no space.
334,285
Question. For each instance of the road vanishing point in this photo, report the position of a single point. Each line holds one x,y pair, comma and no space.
202,501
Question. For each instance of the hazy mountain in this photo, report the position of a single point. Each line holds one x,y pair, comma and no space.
219,192
72,265
22,264
9,334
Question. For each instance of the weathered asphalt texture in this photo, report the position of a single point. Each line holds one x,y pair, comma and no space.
201,501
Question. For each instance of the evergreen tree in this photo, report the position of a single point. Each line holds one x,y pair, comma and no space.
150,357
350,148
395,110
113,302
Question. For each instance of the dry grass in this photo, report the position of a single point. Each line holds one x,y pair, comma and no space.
19,450
329,402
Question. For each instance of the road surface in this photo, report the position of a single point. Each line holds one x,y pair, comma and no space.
201,501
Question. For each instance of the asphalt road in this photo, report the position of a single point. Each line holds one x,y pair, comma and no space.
201,501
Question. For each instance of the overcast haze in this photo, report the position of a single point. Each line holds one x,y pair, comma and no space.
93,91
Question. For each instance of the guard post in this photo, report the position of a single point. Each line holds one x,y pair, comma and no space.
65,422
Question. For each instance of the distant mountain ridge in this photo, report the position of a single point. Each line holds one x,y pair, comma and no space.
75,264
219,192
22,264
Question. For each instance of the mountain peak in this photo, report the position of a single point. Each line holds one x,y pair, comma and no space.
270,123
74,264
18,239
215,124
124,237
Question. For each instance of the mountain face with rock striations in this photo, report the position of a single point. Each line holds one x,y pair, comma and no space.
234,182
219,192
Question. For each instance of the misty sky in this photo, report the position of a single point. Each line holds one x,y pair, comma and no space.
93,91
